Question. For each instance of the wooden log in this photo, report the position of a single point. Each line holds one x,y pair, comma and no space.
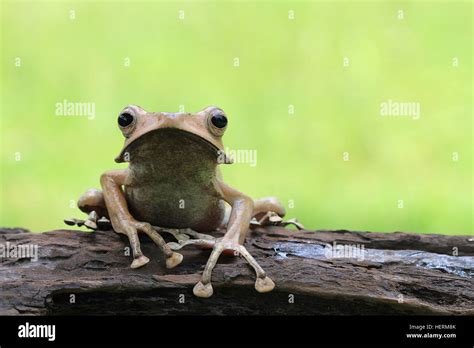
392,273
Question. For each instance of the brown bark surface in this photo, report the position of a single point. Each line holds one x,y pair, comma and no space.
401,273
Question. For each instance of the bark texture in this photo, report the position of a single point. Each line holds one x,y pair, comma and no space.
400,273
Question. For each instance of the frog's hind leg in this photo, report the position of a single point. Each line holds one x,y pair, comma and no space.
92,203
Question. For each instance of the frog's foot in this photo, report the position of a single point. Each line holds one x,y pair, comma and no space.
131,228
92,222
273,219
173,259
219,246
140,261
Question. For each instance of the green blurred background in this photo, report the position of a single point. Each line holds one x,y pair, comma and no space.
284,63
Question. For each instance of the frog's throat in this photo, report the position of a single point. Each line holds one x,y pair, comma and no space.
221,156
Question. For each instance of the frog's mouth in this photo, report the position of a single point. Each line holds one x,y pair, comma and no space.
182,142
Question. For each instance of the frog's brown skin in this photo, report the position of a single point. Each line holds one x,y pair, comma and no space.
173,181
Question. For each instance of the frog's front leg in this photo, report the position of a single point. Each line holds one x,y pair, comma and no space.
237,228
123,222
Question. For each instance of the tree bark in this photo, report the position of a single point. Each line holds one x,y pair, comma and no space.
88,273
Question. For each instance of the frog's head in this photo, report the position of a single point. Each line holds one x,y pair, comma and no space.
208,125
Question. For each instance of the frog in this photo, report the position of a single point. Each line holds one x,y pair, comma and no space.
173,182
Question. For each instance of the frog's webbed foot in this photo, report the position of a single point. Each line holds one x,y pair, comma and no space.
273,219
223,245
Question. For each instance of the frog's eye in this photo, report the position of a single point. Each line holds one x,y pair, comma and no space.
125,119
219,121
216,121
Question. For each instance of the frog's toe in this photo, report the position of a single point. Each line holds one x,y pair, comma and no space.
174,260
273,219
202,243
182,236
103,224
203,290
91,224
293,222
264,284
174,246
74,222
140,261
70,221
190,233
91,221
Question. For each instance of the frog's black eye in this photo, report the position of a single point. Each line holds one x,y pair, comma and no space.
220,121
125,119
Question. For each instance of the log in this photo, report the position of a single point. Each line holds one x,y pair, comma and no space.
88,273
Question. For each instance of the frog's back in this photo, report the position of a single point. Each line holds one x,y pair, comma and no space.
173,182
